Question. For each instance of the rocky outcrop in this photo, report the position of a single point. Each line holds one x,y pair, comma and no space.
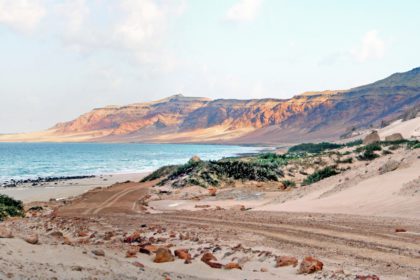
371,138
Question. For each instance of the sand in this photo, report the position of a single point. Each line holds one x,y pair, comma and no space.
66,188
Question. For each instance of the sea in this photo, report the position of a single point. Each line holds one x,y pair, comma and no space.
32,160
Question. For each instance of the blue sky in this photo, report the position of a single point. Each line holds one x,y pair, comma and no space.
61,58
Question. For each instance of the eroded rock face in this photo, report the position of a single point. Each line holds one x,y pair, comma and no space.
373,137
394,137
163,255
310,265
286,261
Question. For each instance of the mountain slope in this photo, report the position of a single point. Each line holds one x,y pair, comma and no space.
309,116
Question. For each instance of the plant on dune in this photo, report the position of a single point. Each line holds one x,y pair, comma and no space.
319,175
160,173
315,148
10,207
288,183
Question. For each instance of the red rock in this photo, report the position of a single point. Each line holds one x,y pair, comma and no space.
163,255
286,261
183,254
5,233
207,257
367,277
400,230
131,252
31,239
232,265
98,252
212,191
83,234
215,265
310,265
138,264
134,237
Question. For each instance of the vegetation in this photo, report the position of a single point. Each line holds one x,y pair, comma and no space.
10,207
319,175
315,148
288,183
159,173
346,160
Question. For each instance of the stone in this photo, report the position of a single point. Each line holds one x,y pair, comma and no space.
131,252
212,191
310,265
394,137
238,208
389,166
371,138
202,206
98,252
286,261
138,264
76,268
400,230
163,255
208,257
367,277
148,249
182,254
232,265
134,237
31,239
215,265
5,233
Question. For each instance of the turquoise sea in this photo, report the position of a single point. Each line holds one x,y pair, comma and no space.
32,160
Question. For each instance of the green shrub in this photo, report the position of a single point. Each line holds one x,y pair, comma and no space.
314,148
319,175
367,155
10,207
160,173
354,143
370,148
288,183
347,160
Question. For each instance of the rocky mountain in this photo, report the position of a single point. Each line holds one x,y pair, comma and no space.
309,116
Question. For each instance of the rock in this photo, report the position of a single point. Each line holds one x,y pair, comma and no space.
367,277
31,239
286,261
134,237
389,166
310,265
212,191
138,264
371,138
238,208
232,265
215,265
195,159
208,257
76,268
5,233
131,252
148,249
183,254
163,255
98,252
400,230
202,206
263,269
394,137
57,234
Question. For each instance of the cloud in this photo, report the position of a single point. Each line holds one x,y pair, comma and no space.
244,10
371,47
21,15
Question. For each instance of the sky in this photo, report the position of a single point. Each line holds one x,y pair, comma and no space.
62,58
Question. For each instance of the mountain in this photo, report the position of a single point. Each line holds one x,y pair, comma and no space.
310,116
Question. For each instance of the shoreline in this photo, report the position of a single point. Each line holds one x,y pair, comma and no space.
66,188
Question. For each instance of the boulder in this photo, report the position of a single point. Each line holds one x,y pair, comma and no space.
394,137
183,254
371,138
232,265
208,257
310,265
163,255
5,233
31,239
98,252
286,261
389,166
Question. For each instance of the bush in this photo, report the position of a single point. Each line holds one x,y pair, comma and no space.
367,155
347,160
314,148
319,175
10,207
370,148
288,183
354,143
160,173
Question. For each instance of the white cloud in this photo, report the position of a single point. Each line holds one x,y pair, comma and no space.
372,47
22,15
244,10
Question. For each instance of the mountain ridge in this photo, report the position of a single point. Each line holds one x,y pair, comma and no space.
307,116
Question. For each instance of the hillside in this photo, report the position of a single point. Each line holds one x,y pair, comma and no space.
309,116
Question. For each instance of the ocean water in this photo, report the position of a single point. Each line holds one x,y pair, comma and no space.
32,160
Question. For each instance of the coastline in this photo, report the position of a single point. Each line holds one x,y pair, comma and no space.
62,189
